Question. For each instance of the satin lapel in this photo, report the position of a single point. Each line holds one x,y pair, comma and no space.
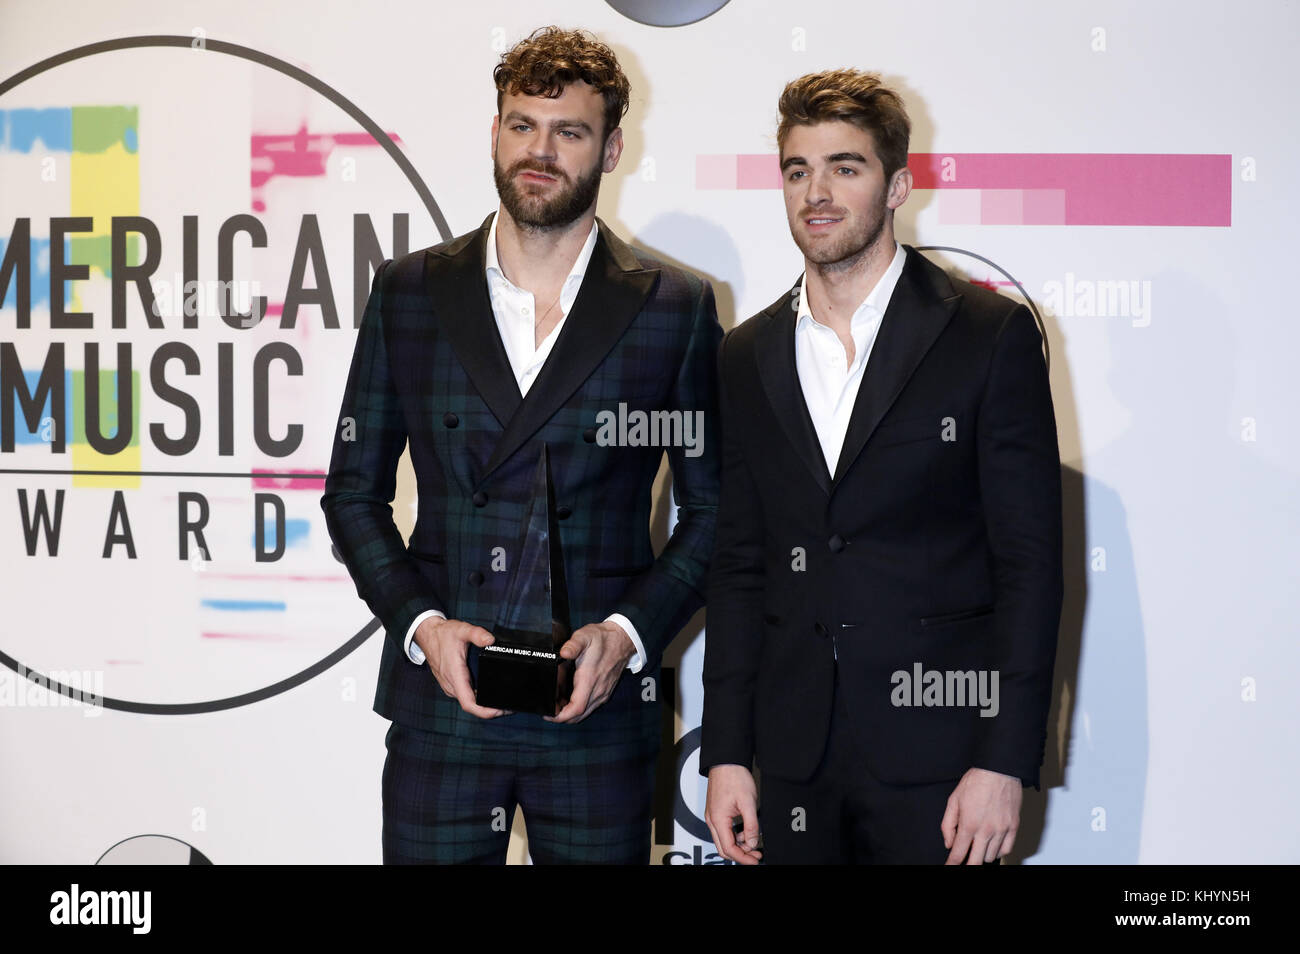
458,288
922,304
613,292
774,352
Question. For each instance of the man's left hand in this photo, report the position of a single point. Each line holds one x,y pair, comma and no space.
982,817
602,651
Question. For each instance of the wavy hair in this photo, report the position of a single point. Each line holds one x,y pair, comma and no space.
855,97
549,59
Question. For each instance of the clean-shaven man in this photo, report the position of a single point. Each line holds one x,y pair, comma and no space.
529,331
886,587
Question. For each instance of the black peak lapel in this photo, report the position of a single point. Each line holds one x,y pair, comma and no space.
614,289
922,304
774,352
458,289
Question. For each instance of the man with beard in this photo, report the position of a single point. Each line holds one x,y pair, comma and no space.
886,586
481,352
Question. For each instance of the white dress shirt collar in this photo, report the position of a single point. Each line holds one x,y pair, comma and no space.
829,381
877,299
492,264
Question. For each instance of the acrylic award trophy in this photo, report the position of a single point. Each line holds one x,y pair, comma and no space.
522,670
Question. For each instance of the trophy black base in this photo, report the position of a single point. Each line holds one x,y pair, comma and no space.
513,674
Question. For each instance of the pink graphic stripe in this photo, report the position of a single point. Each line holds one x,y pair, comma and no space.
1002,207
1042,206
1040,188
715,172
289,483
757,172
1099,188
297,154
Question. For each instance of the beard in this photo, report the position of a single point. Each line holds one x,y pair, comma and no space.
534,212
848,249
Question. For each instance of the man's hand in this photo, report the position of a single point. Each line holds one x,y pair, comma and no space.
732,793
602,651
982,817
445,643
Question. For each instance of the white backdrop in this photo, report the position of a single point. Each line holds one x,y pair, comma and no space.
1122,168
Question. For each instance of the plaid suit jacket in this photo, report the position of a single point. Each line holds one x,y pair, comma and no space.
430,368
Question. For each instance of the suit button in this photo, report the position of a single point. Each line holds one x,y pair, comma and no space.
450,419
589,435
836,543
479,498
563,512
476,578
819,629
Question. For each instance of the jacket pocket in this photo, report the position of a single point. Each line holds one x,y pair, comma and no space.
947,619
910,431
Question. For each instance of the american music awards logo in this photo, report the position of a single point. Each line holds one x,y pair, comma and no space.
188,231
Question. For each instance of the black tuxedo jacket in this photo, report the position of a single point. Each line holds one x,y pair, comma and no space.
937,541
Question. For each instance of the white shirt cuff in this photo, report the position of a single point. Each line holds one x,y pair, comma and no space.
638,658
413,650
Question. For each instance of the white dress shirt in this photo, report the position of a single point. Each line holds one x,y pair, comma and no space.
829,382
515,312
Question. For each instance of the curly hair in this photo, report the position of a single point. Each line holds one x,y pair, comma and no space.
855,97
549,59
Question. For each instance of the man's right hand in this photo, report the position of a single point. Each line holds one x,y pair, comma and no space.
445,643
732,792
